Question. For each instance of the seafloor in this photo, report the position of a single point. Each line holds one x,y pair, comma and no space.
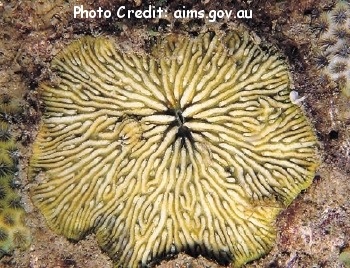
312,232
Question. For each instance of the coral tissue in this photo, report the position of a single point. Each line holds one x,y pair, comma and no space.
194,146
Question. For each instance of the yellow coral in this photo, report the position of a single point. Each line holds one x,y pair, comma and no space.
196,147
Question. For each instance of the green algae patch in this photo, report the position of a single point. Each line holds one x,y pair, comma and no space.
194,147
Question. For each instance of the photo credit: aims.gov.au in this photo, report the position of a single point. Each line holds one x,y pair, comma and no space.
152,12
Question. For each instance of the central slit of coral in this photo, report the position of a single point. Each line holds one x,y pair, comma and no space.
180,119
183,131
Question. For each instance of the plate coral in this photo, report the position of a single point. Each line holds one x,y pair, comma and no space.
194,146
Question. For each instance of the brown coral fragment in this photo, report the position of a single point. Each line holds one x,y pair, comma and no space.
196,147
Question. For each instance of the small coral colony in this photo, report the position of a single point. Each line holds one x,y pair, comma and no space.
170,151
333,47
13,232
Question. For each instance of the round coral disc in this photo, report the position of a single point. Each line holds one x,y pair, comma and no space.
195,147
